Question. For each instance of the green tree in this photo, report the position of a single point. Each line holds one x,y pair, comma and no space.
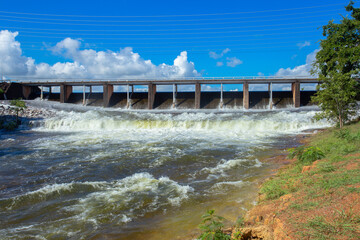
337,64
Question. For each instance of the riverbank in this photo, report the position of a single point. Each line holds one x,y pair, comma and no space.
320,200
29,112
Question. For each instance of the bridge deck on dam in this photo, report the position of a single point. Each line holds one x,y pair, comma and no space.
32,88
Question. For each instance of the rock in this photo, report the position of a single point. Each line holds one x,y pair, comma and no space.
305,169
259,219
280,231
259,232
286,197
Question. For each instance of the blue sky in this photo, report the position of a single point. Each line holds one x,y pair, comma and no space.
221,38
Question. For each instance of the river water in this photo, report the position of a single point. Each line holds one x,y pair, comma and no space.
134,175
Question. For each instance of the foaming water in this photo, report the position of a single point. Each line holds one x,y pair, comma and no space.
125,174
244,124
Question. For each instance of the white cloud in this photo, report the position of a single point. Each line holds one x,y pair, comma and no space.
302,70
233,62
89,63
210,88
11,59
260,74
219,64
304,44
214,55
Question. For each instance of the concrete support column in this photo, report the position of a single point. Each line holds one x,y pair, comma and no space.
197,95
84,96
42,92
246,100
65,92
128,97
174,95
50,90
26,90
295,87
151,95
108,90
271,96
222,97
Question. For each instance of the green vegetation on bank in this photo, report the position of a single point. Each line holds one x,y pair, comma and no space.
212,227
327,184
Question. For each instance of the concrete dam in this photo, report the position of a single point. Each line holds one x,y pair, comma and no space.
153,99
185,100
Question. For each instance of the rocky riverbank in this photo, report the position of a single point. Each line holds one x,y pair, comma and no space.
29,112
9,114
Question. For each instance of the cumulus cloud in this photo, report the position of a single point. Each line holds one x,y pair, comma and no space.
215,55
11,59
304,44
219,64
302,70
233,61
89,63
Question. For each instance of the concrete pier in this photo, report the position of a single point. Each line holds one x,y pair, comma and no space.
174,95
270,96
221,96
65,92
295,88
128,97
84,95
151,95
42,93
108,90
197,95
26,91
246,99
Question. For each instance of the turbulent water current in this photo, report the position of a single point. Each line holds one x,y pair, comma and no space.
136,175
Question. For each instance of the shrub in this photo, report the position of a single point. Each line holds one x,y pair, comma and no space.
18,106
212,227
18,103
346,135
305,155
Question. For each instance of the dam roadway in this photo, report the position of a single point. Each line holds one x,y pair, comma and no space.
31,86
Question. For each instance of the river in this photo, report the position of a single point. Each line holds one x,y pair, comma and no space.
102,174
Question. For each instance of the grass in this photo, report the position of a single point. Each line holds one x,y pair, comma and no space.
319,194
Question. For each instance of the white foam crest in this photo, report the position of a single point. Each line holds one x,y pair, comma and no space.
49,190
130,197
234,125
225,186
224,166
